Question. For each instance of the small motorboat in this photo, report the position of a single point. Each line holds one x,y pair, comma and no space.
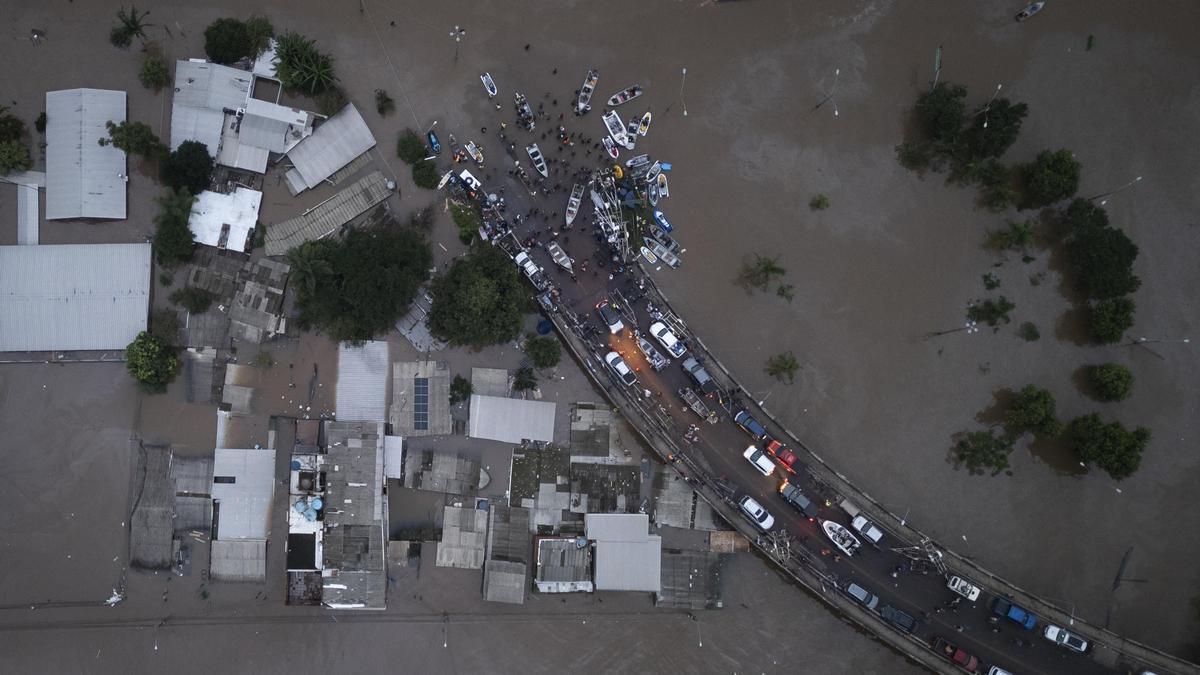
631,134
583,103
560,257
663,190
663,254
661,219
650,258
610,147
489,84
652,194
615,127
1030,9
573,203
434,144
539,162
445,179
474,151
625,95
524,112
658,234
656,360
634,161
644,125
847,543
654,170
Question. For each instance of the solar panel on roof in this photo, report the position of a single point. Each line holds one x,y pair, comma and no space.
421,403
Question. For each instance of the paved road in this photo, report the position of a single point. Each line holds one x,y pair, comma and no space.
719,446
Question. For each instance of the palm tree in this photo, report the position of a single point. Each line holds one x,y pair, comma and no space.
316,72
308,267
783,367
131,24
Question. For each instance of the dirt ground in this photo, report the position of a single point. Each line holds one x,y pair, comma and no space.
894,257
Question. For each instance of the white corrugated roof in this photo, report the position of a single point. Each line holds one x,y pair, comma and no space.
244,484
203,91
628,557
213,211
362,382
271,126
83,178
73,296
28,211
331,146
511,419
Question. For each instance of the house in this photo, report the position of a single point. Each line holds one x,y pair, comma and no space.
83,178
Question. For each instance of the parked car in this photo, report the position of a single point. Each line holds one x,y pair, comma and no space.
1062,636
697,372
1014,613
997,670
756,513
667,339
622,369
899,619
963,587
867,598
786,458
760,460
531,270
611,317
952,653
750,425
867,529
792,495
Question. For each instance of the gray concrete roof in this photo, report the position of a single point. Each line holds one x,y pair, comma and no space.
324,219
272,126
563,565
243,485
504,582
362,382
332,145
73,296
511,419
509,536
203,91
424,412
355,532
28,214
628,558
464,532
83,178
238,560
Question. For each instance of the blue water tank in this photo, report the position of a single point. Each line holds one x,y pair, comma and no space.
544,327
316,503
295,465
300,505
310,515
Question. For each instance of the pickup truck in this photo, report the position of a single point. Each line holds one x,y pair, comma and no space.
951,652
1014,613
531,270
792,495
697,372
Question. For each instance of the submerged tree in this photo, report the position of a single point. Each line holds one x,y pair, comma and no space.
980,451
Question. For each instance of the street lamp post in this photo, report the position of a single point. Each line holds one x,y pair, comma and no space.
682,81
1142,340
988,106
970,327
458,32
832,92
1106,195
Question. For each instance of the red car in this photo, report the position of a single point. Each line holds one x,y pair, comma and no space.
955,655
785,457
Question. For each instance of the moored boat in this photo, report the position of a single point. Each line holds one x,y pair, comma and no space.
652,194
539,162
661,219
644,125
845,542
649,256
663,254
524,112
1030,9
488,84
610,147
445,179
654,170
625,95
583,102
573,203
663,190
615,127
474,151
633,161
434,143
560,257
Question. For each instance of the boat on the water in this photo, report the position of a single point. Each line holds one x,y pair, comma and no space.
573,203
652,194
489,84
625,95
658,234
634,161
663,254
434,143
663,190
631,134
649,256
474,151
610,147
524,112
583,102
1030,9
445,179
644,125
661,219
539,162
841,537
560,257
654,170
616,128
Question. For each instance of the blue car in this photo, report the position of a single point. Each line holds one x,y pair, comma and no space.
1015,613
749,424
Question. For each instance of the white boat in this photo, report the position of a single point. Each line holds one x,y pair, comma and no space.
489,84
640,159
663,253
445,179
539,162
1030,9
644,125
474,151
583,103
524,112
652,194
560,257
663,190
610,147
654,170
841,537
650,258
631,134
573,203
625,95
615,127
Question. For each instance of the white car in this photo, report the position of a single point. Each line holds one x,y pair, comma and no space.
1062,636
760,459
963,587
667,339
756,513
622,369
867,529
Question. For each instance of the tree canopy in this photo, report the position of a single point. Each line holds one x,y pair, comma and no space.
479,301
1110,381
155,72
136,138
1110,319
1111,447
1052,177
783,367
173,239
410,147
942,112
151,361
189,167
357,287
980,451
227,41
1033,410
1101,256
1003,119
544,351
301,66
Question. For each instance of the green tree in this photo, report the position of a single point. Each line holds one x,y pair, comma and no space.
384,105
1017,237
1052,177
942,111
991,312
131,24
460,389
260,31
915,155
330,101
1100,255
1110,381
228,41
1111,446
425,175
468,220
136,138
194,299
819,203
155,72
14,156
1110,318
1033,410
410,147
173,239
980,451
544,351
1003,119
479,301
151,361
366,283
783,367
164,324
524,380
189,167
12,128
1029,332
759,272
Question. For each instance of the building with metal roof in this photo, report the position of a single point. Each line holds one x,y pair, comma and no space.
332,145
362,381
73,296
628,558
355,535
225,220
242,489
511,420
272,126
464,536
83,178
203,93
330,215
564,565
